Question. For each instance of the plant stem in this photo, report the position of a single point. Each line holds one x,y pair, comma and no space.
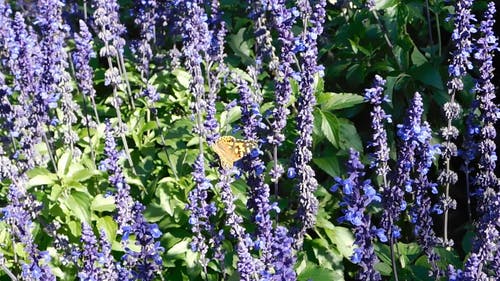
429,25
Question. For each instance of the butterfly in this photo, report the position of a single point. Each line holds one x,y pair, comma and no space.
231,150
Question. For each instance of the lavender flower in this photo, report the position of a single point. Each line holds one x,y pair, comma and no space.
247,266
416,136
147,263
146,20
461,37
485,247
258,200
89,269
110,164
200,211
302,155
283,21
358,194
283,257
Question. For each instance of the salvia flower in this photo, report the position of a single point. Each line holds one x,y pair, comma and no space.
283,258
110,164
258,200
283,21
20,212
200,211
82,56
247,266
106,260
357,195
302,155
89,269
25,65
417,136
147,263
392,195
146,17
486,245
55,77
460,63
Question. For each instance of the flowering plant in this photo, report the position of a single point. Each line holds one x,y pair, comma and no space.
248,140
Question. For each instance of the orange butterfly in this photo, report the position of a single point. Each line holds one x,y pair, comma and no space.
231,150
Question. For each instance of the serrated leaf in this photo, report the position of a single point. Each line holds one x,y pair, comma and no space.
79,205
336,101
183,77
314,272
330,127
64,163
179,248
103,204
107,224
47,179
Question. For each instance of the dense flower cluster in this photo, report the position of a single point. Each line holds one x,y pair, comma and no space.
147,263
314,14
283,20
392,194
464,28
417,135
83,53
486,245
179,50
357,195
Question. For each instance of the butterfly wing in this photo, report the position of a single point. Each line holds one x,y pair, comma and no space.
224,149
231,150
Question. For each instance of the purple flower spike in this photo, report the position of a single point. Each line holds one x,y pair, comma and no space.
89,255
358,194
416,136
314,13
483,262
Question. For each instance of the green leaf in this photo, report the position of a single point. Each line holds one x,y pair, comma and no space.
109,226
342,238
179,248
79,205
103,204
429,75
183,77
314,272
64,163
348,135
330,127
384,268
79,173
47,179
417,57
240,46
336,101
329,164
